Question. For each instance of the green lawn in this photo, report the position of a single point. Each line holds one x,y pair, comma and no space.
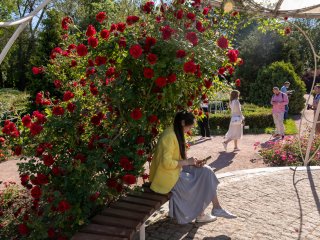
11,102
290,128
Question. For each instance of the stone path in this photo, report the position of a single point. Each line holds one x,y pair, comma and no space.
270,204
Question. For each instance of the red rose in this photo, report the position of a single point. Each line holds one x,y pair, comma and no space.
199,26
125,163
147,8
93,42
57,84
238,82
129,179
150,41
230,70
287,30
110,72
205,11
152,58
140,152
221,70
39,97
190,67
82,50
24,179
47,159
2,140
35,129
122,42
105,34
207,83
94,196
36,192
63,206
191,16
148,73
51,233
101,16
71,107
91,31
55,171
166,32
172,78
153,118
112,183
26,121
179,14
192,37
135,51
58,110
81,157
180,54
100,60
234,13
233,55
65,23
140,140
23,229
121,26
223,42
37,70
161,82
67,96
132,19
136,114
42,178
73,63
17,150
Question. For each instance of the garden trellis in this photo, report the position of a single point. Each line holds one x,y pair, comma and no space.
263,8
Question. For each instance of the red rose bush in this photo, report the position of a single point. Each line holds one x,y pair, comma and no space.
120,85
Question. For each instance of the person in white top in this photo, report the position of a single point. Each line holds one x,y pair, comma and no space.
235,131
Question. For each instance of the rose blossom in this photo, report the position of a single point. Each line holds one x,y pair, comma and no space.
135,51
136,114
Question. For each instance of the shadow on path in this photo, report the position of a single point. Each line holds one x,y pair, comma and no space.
224,159
198,141
220,237
313,189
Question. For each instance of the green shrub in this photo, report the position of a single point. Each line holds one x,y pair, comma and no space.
255,117
275,75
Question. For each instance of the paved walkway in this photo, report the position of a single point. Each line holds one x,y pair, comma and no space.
271,203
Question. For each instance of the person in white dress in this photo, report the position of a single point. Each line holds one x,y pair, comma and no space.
235,131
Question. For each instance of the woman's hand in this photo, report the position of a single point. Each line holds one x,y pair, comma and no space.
200,163
192,161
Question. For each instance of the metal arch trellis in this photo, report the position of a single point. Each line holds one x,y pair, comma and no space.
243,5
23,22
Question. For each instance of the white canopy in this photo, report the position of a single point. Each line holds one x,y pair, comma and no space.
276,8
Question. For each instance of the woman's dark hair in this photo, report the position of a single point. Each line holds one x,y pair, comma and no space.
178,129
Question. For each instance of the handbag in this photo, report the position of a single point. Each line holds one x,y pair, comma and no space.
235,120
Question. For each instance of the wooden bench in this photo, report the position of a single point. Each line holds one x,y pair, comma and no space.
123,218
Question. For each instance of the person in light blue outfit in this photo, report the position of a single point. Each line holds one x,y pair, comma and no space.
285,90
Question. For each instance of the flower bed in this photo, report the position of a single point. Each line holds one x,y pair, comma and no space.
287,152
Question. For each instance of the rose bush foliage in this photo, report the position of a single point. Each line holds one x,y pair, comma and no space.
120,84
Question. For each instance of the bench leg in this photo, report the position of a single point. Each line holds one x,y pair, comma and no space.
143,232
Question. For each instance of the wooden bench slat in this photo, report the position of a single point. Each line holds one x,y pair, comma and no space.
151,196
124,214
88,236
137,200
133,207
108,230
117,222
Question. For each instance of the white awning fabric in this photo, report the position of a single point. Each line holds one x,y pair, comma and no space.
275,8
